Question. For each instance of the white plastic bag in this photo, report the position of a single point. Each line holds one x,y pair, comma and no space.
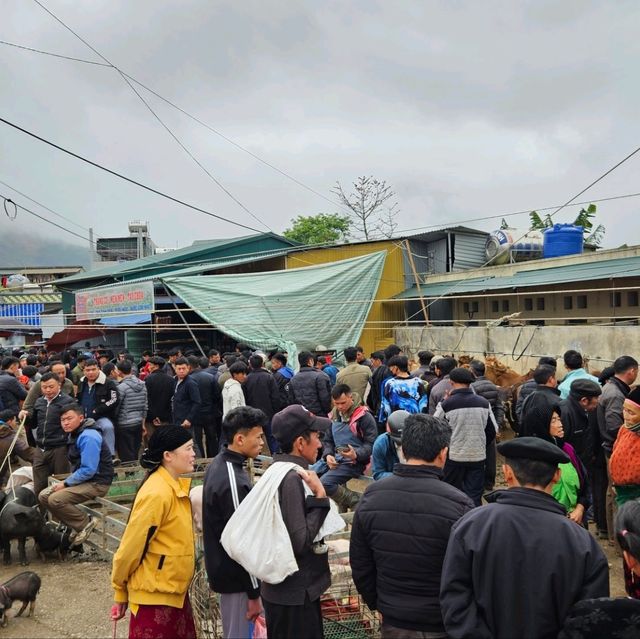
332,523
255,536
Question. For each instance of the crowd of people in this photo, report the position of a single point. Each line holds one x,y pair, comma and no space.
424,550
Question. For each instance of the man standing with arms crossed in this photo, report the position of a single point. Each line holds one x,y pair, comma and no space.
50,456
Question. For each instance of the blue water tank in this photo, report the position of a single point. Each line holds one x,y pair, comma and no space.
562,239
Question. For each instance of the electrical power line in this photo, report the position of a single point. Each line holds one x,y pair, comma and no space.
191,155
125,178
54,55
191,117
284,173
13,188
157,117
44,219
523,212
557,210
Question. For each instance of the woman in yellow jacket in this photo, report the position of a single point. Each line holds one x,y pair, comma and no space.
155,561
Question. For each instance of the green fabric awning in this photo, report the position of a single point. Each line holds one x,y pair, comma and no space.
293,310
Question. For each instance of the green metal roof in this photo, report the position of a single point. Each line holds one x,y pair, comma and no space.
595,270
190,256
212,265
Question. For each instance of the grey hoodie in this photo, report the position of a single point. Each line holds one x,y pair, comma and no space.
133,404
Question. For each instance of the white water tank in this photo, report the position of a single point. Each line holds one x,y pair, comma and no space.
513,245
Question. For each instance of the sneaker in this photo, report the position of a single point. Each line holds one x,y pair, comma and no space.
78,537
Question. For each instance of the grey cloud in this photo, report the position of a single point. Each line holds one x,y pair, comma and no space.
465,108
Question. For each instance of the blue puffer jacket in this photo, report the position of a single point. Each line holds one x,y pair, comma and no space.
384,456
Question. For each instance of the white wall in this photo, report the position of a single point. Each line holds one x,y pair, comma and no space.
521,346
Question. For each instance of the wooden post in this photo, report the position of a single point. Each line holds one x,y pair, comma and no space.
417,281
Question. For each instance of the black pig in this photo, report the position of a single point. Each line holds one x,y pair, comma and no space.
19,519
23,587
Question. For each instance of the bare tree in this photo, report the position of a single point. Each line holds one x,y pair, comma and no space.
388,224
365,203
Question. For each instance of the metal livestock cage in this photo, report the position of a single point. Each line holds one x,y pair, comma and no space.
344,614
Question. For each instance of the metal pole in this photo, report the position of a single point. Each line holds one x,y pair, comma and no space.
417,281
195,339
92,256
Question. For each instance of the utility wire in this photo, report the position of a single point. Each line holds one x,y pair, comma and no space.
157,117
237,145
527,211
192,117
125,178
46,208
44,219
54,55
191,155
93,243
283,173
469,274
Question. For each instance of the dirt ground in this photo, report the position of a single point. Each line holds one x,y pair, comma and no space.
74,600
76,597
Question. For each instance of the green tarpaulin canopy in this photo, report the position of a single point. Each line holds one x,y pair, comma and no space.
292,310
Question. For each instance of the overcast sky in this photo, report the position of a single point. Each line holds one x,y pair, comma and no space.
467,109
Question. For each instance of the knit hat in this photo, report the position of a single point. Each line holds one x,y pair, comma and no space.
164,438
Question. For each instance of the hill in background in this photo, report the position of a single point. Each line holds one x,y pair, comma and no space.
21,249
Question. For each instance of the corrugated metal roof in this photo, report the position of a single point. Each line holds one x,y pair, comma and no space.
28,298
190,254
596,270
214,265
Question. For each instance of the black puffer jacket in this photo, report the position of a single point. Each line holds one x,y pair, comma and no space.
311,388
487,389
46,420
399,537
261,391
12,392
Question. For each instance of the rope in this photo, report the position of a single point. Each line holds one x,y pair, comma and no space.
7,459
513,356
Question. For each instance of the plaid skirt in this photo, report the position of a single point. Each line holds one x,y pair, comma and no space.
163,622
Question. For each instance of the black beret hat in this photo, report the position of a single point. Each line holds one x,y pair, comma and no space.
533,448
462,376
585,388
